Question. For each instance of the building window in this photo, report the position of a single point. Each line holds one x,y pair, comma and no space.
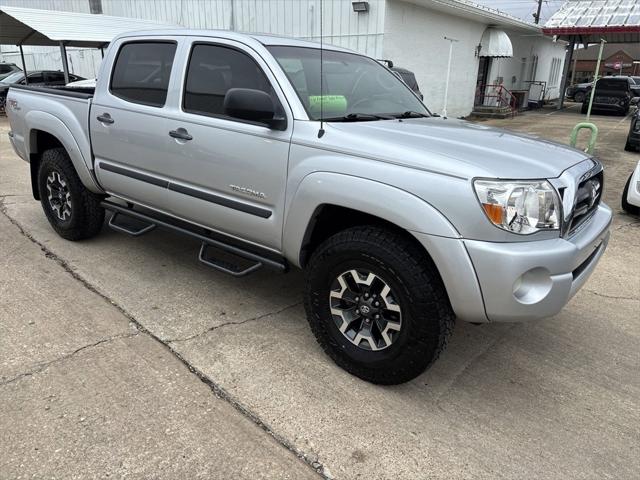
533,68
141,73
554,74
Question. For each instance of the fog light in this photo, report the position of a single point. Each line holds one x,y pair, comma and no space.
533,286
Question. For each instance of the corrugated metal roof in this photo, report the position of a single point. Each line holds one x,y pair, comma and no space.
28,26
614,20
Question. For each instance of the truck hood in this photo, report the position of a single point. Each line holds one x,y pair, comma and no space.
454,147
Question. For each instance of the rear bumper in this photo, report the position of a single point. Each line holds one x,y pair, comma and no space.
519,281
609,107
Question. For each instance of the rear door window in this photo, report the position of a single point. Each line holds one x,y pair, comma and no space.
612,84
141,72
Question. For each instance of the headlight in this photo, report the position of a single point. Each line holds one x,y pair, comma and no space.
520,206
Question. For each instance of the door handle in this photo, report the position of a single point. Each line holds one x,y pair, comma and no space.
180,134
105,118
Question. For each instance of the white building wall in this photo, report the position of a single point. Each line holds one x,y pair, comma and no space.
410,35
516,71
291,18
82,61
414,39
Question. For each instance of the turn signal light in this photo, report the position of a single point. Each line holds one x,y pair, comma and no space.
494,212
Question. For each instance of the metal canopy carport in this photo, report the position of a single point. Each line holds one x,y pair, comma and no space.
585,22
28,26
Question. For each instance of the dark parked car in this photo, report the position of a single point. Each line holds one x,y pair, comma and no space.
7,69
578,92
633,138
48,78
612,94
635,86
407,76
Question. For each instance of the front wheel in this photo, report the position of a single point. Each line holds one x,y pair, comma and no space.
73,211
578,97
377,305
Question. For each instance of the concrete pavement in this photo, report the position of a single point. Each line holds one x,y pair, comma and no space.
556,398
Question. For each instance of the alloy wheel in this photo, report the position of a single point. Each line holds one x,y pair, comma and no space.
59,196
365,310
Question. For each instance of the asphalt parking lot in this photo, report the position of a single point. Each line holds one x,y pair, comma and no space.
124,356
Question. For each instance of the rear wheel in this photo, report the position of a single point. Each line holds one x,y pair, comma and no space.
73,211
377,305
626,206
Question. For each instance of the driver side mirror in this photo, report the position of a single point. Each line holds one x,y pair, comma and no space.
254,106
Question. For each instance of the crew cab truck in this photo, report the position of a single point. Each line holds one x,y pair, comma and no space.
402,221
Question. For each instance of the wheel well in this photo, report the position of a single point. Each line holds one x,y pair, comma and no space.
328,220
40,141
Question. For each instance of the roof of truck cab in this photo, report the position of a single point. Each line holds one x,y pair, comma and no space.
261,38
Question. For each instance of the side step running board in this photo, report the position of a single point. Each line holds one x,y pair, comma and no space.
218,254
129,224
230,266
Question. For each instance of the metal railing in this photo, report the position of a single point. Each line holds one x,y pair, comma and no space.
494,95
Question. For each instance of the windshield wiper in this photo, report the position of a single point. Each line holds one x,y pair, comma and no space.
359,117
411,114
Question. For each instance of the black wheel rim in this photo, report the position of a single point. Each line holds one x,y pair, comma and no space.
59,196
365,310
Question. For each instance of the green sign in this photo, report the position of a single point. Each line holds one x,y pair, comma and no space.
332,105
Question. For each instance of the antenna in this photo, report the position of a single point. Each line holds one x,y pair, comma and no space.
321,131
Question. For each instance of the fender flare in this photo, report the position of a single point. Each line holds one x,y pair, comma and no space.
389,203
38,120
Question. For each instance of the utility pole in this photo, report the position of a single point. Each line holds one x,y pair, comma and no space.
537,15
446,84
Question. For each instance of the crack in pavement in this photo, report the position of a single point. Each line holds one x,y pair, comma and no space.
241,322
43,366
220,392
630,224
615,297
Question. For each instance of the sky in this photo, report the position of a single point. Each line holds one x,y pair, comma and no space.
524,8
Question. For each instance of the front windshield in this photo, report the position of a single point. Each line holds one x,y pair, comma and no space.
352,85
13,78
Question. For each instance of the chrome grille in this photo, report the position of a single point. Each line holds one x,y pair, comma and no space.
587,199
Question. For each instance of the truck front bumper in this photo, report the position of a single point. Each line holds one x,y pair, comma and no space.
512,282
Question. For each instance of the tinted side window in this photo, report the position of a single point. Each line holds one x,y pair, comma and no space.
36,78
5,69
141,72
54,77
213,70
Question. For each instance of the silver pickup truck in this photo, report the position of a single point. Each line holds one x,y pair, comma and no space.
402,220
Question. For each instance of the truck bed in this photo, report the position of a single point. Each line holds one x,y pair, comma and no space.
76,92
58,111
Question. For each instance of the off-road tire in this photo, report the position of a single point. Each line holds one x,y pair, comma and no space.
87,216
626,206
427,318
